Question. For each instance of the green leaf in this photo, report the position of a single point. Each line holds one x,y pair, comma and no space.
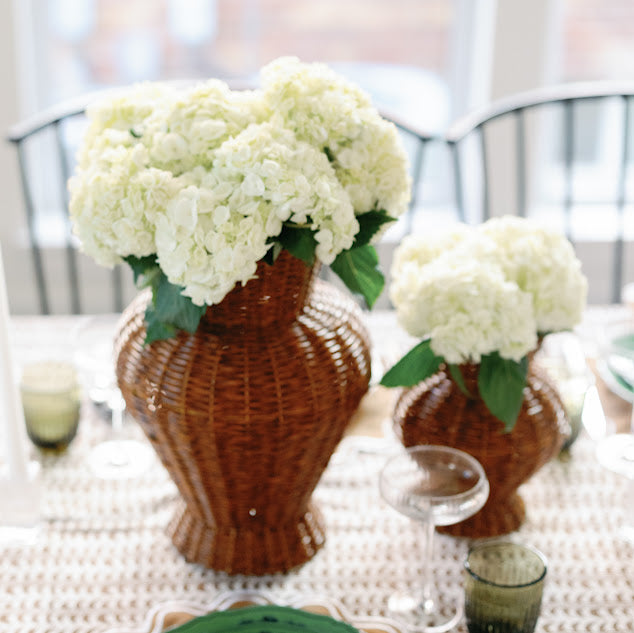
300,242
458,378
144,269
419,363
369,225
174,308
273,253
170,310
156,330
359,270
501,383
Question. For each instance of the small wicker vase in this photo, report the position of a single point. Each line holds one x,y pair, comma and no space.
246,412
437,412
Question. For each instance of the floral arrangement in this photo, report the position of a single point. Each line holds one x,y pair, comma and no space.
484,295
194,186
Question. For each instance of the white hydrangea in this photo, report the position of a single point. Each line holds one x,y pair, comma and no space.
121,117
334,115
467,310
218,226
373,168
199,120
114,203
419,249
204,177
204,246
543,263
313,101
495,287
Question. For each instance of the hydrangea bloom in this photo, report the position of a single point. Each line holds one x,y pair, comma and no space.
205,177
417,250
114,200
542,263
320,106
200,120
123,117
467,309
215,229
493,288
333,114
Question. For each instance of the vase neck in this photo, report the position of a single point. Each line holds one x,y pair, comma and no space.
276,294
469,372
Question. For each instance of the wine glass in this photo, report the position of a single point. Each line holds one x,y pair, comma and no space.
118,457
434,485
616,453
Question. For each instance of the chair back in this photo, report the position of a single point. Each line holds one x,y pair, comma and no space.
564,155
66,280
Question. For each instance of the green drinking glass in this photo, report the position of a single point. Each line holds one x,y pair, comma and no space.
504,583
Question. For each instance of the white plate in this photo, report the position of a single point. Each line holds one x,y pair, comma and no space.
174,613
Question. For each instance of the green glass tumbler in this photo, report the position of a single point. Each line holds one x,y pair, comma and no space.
504,583
51,399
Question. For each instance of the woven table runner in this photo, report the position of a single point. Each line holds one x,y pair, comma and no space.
102,558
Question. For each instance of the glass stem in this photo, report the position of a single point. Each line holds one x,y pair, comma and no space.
117,409
428,594
119,457
117,421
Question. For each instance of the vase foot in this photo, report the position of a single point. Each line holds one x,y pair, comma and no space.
256,551
497,517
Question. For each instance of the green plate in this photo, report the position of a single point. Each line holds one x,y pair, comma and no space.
264,619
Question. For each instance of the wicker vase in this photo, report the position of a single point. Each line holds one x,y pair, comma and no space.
437,412
246,412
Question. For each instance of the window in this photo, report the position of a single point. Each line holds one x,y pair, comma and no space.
399,50
595,43
597,40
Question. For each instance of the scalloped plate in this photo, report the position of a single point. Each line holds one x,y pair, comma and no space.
168,615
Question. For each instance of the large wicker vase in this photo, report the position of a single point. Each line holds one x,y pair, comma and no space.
246,412
437,412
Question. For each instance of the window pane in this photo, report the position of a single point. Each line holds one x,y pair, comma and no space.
399,50
598,36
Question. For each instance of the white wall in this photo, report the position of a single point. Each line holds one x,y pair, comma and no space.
17,263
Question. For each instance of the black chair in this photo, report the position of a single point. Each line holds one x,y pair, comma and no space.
46,145
419,144
564,154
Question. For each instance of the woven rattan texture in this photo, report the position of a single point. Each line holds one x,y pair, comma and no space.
246,412
103,559
438,412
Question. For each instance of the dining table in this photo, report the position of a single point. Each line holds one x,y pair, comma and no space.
100,559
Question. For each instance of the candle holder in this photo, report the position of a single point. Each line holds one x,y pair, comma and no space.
20,498
51,401
19,478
